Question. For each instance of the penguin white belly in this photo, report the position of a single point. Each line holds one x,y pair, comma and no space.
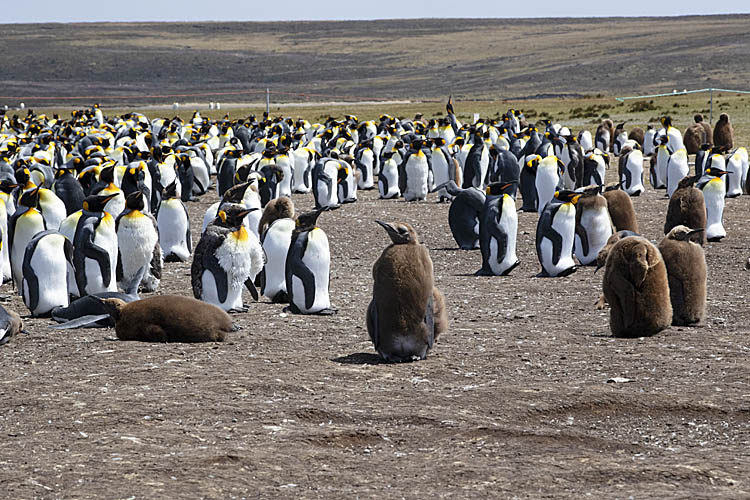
168,176
635,166
648,142
173,227
389,172
136,237
677,170
200,170
116,205
209,216
240,257
742,152
659,177
326,197
317,258
53,211
211,295
51,269
585,140
416,179
675,139
564,223
285,186
276,246
300,171
546,185
27,226
5,249
598,227
508,224
713,194
734,176
366,162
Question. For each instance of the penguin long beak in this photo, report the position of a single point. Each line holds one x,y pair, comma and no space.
390,228
694,231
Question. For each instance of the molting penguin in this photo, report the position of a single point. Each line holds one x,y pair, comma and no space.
498,231
636,287
723,133
687,208
620,208
140,259
407,311
714,191
173,223
308,268
593,226
46,263
279,208
227,258
276,228
686,271
555,232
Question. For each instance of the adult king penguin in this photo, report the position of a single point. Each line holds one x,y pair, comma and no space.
555,232
407,311
413,173
140,259
593,226
173,223
46,263
714,190
498,230
308,268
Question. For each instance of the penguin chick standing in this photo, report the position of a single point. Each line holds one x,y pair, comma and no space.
140,259
636,288
555,232
686,271
498,230
308,268
687,207
407,312
620,208
227,257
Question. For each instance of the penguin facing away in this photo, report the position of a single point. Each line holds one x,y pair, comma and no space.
555,233
636,287
407,311
308,268
687,208
498,231
686,271
463,214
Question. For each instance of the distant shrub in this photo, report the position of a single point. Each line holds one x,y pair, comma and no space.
605,115
530,113
439,113
640,106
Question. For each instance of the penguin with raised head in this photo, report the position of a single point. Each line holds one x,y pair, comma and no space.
275,228
677,169
673,134
630,171
687,208
593,225
227,258
407,311
140,259
173,223
47,261
477,163
528,185
10,325
686,272
555,232
714,191
308,267
498,231
637,289
106,187
92,232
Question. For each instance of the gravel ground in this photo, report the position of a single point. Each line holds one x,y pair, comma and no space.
516,399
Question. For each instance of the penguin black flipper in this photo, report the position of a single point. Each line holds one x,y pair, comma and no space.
83,241
502,242
205,260
295,267
373,325
553,236
29,276
584,236
384,181
252,289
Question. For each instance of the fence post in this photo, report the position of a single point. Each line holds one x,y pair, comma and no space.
268,101
711,115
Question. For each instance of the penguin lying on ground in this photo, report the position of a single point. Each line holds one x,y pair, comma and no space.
88,311
407,311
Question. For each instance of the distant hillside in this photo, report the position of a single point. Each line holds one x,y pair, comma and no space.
395,59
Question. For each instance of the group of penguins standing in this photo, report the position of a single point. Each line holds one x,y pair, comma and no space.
94,205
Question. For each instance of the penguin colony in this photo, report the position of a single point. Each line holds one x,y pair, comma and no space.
98,203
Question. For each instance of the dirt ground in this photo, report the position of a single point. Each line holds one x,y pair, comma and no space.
515,400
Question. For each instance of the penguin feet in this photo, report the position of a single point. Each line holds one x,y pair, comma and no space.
483,272
280,298
327,312
236,327
601,304
507,271
236,310
568,271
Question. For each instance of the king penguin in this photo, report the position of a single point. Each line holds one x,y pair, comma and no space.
140,259
498,231
593,226
528,185
677,169
463,214
388,178
276,228
555,233
407,311
308,267
413,173
630,171
714,190
227,258
173,222
46,264
547,180
26,222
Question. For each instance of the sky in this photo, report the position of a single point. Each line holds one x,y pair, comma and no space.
36,11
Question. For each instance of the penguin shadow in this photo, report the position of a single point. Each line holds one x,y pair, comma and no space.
359,358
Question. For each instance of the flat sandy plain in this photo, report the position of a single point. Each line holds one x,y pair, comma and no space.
515,400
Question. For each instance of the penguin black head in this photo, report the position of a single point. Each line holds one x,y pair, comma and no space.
401,233
449,105
688,181
666,121
7,186
30,198
107,174
706,146
343,173
232,216
96,202
568,196
236,193
716,172
534,162
171,190
134,201
500,188
307,220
